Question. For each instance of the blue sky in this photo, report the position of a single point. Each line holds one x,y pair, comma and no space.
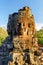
10,6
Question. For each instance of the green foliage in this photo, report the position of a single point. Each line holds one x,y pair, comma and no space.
39,35
1,40
3,35
40,40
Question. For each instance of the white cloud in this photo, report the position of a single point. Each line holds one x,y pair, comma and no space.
39,25
3,26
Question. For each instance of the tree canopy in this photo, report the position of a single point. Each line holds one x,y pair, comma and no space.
3,35
39,35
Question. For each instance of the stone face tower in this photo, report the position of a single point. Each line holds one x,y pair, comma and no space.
26,19
21,29
22,24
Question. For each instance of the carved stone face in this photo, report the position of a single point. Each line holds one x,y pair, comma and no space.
27,27
27,22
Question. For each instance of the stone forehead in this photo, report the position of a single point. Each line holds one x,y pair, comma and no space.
24,8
